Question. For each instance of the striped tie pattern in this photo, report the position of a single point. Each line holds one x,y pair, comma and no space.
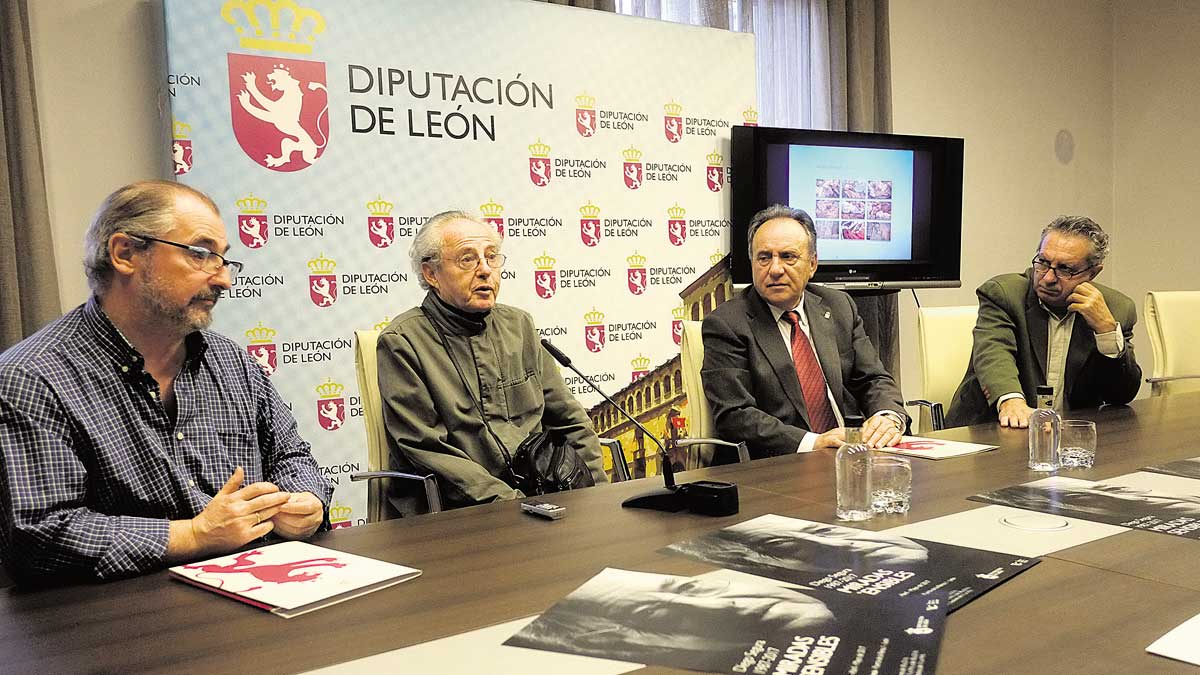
812,379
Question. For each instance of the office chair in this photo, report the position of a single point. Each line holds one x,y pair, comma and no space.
390,493
704,449
945,336
1173,321
620,465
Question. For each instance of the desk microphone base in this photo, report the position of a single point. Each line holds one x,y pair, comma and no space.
662,499
707,497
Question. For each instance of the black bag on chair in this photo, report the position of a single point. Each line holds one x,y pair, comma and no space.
544,463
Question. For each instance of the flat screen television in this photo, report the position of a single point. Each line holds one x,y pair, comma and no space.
887,208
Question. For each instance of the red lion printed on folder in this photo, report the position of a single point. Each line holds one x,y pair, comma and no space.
921,444
280,573
293,577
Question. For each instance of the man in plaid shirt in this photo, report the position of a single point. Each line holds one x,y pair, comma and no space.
131,437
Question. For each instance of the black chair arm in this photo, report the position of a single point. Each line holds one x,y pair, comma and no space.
433,496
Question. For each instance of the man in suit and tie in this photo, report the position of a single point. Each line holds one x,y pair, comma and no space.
1050,326
785,363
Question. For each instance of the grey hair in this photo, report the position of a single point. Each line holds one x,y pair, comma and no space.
142,209
1081,226
781,211
427,245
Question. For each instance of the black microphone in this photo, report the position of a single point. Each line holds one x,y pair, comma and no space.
709,497
565,360
667,472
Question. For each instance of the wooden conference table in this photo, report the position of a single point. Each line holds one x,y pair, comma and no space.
1088,609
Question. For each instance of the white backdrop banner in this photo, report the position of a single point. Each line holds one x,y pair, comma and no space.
328,131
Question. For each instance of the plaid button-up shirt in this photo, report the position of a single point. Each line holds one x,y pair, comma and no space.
92,466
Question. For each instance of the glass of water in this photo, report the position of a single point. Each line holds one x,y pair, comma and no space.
1077,444
891,484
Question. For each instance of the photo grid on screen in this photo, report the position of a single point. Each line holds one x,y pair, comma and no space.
852,209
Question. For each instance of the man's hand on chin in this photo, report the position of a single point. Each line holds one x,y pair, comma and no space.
1088,301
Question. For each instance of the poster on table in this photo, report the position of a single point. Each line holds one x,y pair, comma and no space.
1184,468
1142,508
327,132
738,625
853,562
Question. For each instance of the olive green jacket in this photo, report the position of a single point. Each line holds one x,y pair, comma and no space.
432,423
1010,350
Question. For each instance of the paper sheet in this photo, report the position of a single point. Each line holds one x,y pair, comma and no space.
481,651
1181,644
1159,482
864,563
478,651
935,448
1007,530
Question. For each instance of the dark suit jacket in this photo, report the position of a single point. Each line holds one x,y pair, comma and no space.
1010,351
751,382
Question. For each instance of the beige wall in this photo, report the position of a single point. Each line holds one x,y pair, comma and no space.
1007,76
1156,96
101,72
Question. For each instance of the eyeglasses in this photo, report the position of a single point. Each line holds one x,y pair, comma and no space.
469,261
789,258
209,262
1040,265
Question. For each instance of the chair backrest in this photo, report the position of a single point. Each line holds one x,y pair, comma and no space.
1173,321
945,338
620,465
691,359
699,415
366,366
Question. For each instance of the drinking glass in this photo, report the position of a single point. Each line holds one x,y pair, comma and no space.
1077,444
891,484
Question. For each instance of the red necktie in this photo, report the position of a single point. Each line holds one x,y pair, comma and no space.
812,379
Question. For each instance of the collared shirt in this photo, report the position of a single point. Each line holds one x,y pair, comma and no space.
94,468
1058,343
785,330
1058,340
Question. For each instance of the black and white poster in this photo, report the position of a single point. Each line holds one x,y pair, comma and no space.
1141,508
1185,468
742,625
853,561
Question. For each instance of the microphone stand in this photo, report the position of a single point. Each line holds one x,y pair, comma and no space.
708,497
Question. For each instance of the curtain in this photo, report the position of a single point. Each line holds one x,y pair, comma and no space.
794,62
602,5
825,64
710,13
867,67
28,280
808,69
861,91
821,64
